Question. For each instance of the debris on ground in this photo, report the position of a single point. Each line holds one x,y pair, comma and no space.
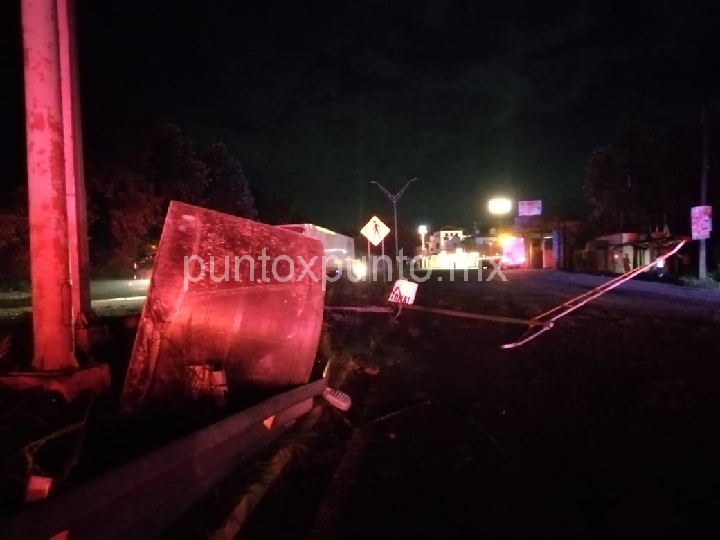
371,370
338,399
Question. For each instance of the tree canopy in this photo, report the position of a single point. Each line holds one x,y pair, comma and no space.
130,187
646,177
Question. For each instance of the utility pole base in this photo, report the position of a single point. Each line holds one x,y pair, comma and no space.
90,332
68,384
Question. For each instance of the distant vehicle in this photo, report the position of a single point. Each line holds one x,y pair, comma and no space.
489,252
513,251
339,249
339,252
143,268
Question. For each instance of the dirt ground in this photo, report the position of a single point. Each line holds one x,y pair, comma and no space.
602,427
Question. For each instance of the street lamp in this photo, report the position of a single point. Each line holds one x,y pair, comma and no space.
394,199
422,230
499,206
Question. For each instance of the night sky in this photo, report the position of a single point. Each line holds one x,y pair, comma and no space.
318,98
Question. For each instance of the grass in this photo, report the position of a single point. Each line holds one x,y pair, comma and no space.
707,283
38,435
344,351
15,286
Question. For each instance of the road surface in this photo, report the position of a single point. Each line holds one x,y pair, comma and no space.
605,426
109,297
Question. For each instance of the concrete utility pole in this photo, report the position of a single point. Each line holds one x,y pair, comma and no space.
74,175
702,272
59,274
394,199
47,207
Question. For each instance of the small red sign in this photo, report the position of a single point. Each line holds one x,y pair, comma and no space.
701,221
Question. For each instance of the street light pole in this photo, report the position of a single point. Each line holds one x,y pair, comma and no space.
422,229
394,199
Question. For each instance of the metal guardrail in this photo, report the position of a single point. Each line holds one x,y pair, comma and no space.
143,497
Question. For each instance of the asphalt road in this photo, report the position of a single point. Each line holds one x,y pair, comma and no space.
107,289
108,296
603,427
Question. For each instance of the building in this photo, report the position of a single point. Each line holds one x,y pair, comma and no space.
448,238
550,243
621,252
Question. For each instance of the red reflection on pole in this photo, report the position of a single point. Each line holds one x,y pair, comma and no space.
47,211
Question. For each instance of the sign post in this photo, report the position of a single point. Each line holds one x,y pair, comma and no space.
375,231
701,224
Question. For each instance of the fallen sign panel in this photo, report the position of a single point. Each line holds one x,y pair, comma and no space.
403,292
228,292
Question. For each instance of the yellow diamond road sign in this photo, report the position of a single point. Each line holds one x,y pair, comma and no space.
375,231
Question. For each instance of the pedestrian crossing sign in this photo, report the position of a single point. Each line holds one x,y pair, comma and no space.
375,230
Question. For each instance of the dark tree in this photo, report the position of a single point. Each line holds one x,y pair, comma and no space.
228,190
276,210
14,239
174,168
130,186
642,179
124,211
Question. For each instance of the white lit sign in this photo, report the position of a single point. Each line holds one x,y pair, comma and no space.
529,208
403,292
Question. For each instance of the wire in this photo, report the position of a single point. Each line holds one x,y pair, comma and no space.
546,320
536,325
